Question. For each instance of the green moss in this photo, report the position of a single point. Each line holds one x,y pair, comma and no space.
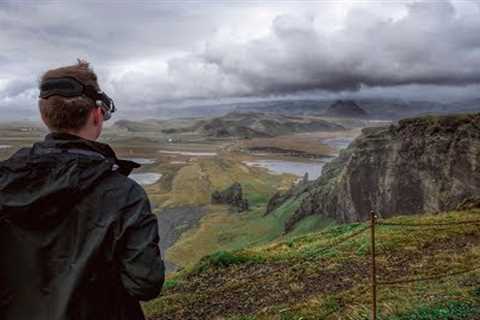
452,310
297,261
222,259
286,210
311,224
170,283
338,230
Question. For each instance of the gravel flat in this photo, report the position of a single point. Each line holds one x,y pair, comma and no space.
173,222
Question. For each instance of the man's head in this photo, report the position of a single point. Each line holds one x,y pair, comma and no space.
71,101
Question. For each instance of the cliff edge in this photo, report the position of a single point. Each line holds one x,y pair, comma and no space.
427,164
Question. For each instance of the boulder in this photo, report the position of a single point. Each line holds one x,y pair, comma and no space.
232,196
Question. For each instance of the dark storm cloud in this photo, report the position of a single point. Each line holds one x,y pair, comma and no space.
429,45
147,53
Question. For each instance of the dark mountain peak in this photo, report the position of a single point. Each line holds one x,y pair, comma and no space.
345,108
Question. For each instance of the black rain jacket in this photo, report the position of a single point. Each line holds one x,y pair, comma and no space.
78,240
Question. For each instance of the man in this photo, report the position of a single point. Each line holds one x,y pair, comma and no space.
77,237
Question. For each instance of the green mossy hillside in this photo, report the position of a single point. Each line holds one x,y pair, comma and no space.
326,275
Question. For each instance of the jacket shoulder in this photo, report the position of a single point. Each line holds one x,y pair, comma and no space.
120,184
121,195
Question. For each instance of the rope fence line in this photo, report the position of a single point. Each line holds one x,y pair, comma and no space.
439,228
341,241
406,286
395,283
435,277
472,222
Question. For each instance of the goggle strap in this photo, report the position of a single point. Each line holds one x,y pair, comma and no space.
70,87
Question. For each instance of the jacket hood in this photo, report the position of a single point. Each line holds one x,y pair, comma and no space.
39,185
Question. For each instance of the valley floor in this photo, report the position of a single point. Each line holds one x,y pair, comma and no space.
242,266
180,173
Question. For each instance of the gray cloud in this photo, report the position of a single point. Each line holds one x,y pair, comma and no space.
151,53
429,45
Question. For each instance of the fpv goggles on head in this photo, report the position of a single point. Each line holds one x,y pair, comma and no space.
70,87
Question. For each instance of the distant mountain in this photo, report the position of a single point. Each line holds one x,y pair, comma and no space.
299,107
198,111
468,105
293,107
136,126
376,108
345,109
257,124
233,124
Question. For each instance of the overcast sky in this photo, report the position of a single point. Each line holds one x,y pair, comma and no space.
153,53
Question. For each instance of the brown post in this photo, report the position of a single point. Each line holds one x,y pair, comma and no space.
373,219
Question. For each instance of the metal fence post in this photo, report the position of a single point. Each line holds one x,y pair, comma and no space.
373,219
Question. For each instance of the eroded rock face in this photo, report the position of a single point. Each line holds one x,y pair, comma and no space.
421,165
277,200
280,197
232,196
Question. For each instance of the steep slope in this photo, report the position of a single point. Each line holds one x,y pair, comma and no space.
325,275
425,164
192,227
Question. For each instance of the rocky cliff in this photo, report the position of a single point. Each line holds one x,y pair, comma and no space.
232,196
421,165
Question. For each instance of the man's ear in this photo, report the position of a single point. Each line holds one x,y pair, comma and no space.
44,119
97,116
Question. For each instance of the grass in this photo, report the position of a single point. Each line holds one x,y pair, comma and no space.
310,224
451,310
222,259
221,228
224,230
296,278
193,184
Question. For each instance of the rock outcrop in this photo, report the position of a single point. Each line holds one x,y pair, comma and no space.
280,197
277,200
345,109
232,196
428,164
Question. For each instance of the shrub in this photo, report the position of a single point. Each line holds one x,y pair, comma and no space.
223,259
